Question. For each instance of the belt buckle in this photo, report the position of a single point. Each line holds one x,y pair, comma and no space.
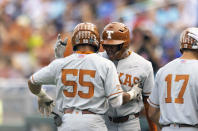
131,117
76,111
110,118
174,125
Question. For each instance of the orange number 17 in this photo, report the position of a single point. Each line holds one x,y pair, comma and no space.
179,98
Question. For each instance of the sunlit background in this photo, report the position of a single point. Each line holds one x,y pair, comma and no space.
28,31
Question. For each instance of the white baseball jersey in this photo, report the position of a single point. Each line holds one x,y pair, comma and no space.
83,81
176,92
131,70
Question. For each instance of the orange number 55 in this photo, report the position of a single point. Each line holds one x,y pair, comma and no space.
179,98
83,83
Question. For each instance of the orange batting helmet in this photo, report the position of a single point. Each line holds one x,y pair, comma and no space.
86,33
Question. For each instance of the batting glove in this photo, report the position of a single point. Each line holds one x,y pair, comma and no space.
135,92
45,103
60,46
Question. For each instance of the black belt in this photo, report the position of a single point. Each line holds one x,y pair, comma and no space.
180,125
70,111
122,118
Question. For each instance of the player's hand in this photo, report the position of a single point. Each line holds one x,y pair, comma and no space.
45,105
60,46
135,92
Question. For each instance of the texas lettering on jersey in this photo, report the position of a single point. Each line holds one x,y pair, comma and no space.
127,79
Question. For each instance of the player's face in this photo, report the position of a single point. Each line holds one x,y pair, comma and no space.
112,50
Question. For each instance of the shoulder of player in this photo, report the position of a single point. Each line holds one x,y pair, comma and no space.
139,57
61,60
103,54
140,60
55,63
166,67
100,59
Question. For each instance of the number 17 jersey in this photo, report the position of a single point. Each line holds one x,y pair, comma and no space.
176,92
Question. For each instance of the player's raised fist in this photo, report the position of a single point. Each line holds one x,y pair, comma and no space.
60,46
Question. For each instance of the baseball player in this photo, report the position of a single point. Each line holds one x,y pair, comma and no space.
175,94
85,83
131,68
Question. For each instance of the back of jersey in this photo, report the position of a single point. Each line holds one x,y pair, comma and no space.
85,81
176,92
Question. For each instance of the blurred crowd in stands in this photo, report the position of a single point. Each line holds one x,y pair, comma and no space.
28,28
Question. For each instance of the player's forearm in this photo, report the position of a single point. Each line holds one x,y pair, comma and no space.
45,102
120,100
155,124
155,118
35,89
116,101
151,120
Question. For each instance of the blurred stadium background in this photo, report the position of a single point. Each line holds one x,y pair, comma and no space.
28,31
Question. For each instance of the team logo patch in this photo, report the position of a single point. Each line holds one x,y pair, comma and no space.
109,33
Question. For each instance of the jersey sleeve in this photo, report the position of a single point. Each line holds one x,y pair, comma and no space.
46,75
112,84
149,81
153,99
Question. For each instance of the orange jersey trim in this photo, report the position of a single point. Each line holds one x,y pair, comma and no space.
86,52
33,81
114,94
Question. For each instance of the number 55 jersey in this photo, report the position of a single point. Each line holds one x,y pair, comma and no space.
83,81
176,92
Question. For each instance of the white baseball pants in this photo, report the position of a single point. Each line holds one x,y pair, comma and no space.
82,122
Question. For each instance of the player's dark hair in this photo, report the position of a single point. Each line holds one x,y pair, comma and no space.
76,48
186,50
